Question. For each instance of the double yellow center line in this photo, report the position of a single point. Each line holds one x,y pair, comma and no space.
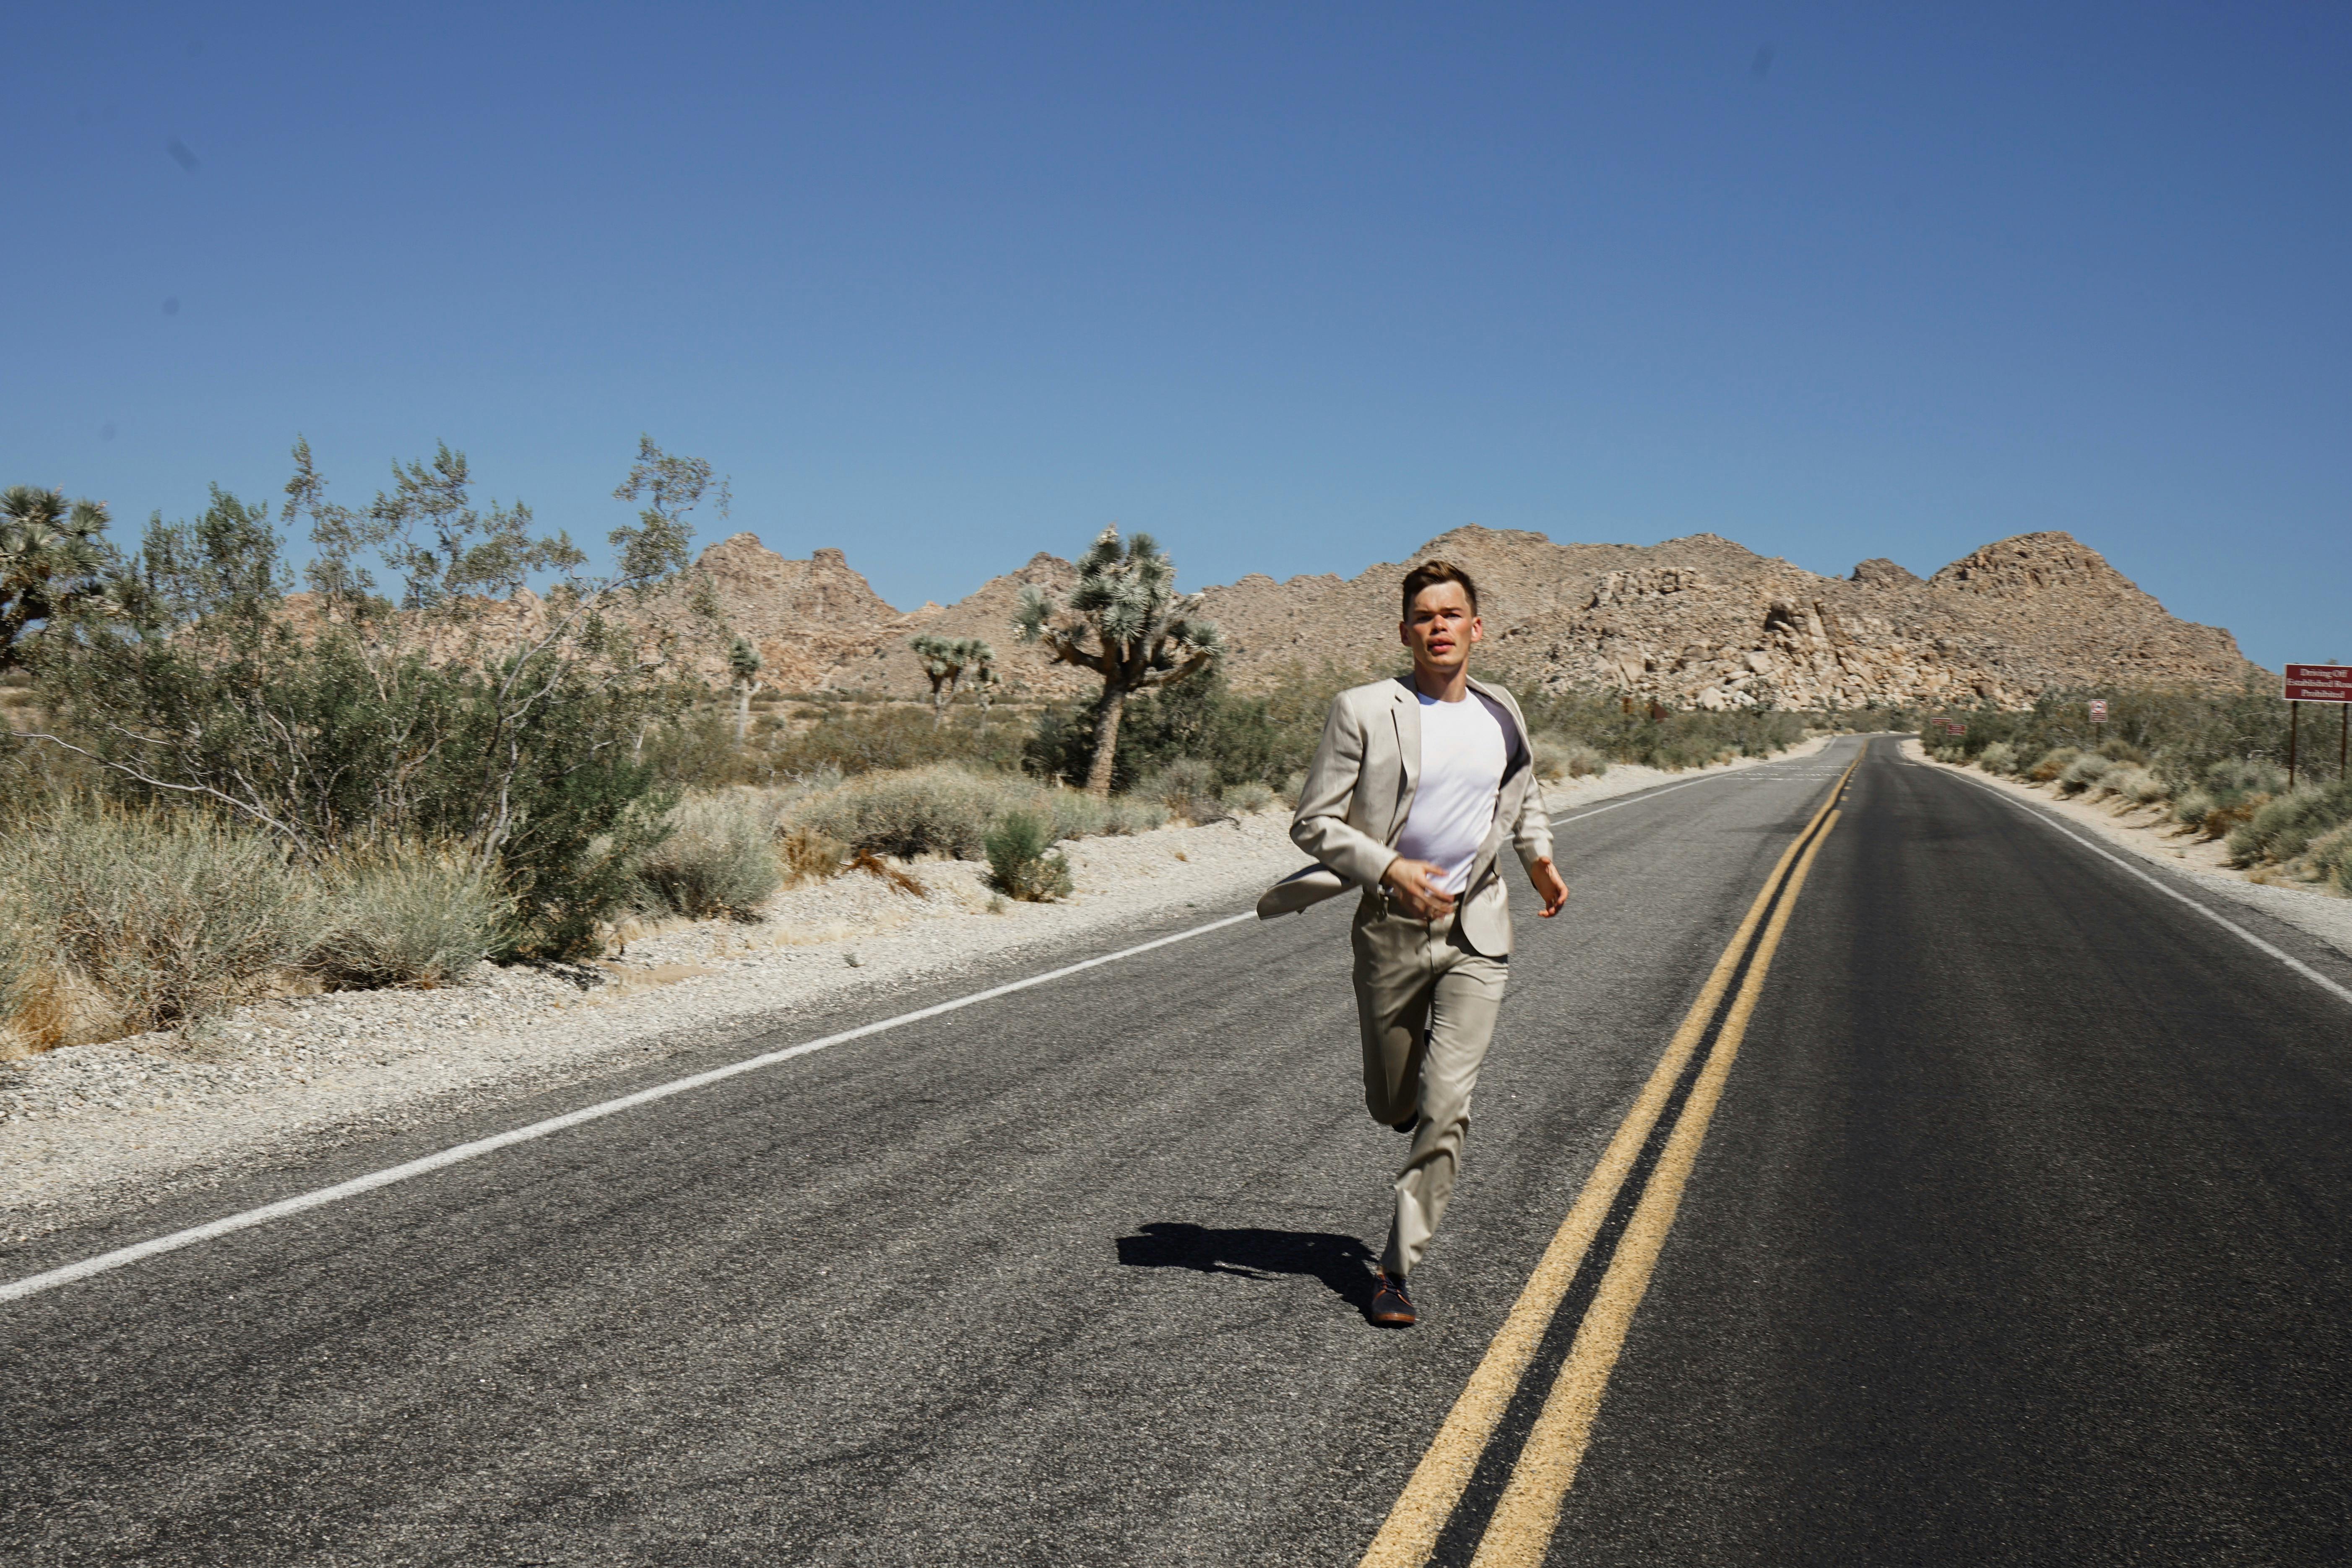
1521,1527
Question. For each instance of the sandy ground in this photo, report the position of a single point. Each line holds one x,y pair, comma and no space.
90,1129
2148,833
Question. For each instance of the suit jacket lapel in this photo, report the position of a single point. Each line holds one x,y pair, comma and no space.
1405,709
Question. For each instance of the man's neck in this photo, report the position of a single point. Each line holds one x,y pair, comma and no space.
1441,686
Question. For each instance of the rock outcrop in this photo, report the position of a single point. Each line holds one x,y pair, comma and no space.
1699,621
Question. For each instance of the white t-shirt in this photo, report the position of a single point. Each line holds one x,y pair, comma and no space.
1462,758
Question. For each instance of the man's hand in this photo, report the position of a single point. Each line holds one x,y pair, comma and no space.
1419,887
1549,884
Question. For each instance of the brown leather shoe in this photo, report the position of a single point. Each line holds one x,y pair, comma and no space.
1391,1308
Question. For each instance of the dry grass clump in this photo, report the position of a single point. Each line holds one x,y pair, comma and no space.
2330,858
123,921
1242,799
407,914
719,858
1558,757
2283,829
811,857
2051,764
1187,787
2083,772
948,810
1998,758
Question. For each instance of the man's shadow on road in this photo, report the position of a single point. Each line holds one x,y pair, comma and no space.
1342,1263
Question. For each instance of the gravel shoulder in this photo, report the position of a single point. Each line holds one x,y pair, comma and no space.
92,1132
2148,833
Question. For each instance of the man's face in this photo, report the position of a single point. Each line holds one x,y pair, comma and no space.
1440,628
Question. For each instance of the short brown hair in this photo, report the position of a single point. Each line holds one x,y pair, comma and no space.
1428,574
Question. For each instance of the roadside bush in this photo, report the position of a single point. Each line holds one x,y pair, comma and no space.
2192,807
719,858
2083,772
1558,757
1242,799
1074,814
2051,764
125,921
2140,786
938,810
1020,863
811,857
1187,787
406,915
864,738
2330,857
1998,758
2283,829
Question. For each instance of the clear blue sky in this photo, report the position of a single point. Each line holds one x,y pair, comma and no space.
1294,286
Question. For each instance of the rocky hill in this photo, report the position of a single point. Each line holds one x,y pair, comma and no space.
1699,621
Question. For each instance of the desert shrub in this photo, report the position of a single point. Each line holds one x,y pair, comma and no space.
150,918
1022,863
1074,814
2083,772
1242,799
2283,829
938,810
406,915
2140,786
864,738
2115,748
1678,739
2051,764
1998,758
719,858
2330,857
2245,775
2191,806
1559,757
1187,787
809,856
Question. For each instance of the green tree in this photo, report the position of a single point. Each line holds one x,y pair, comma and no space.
743,666
1125,621
945,662
460,706
52,559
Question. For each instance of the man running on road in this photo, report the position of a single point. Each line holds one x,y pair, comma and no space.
1415,788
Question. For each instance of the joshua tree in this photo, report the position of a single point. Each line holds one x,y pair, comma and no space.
1142,632
983,680
946,660
50,559
743,660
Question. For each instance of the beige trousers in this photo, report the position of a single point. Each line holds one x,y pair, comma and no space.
1426,1003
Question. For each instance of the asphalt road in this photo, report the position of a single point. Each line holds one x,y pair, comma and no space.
2018,1236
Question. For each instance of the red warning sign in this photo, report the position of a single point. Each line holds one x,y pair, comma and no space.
2318,683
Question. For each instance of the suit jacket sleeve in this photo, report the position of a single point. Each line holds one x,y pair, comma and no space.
1320,826
1531,834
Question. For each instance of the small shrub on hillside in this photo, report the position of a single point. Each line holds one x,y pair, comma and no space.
2191,806
153,920
406,915
2115,748
885,737
1998,758
1021,864
1074,814
719,858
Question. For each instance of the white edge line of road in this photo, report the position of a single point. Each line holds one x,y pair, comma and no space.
34,1284
2342,994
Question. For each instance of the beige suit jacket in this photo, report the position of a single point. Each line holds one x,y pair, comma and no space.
1359,793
